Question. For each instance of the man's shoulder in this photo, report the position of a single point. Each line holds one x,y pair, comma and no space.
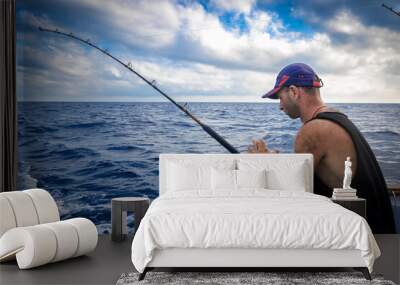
319,127
311,137
320,131
314,136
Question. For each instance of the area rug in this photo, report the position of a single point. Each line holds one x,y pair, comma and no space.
244,278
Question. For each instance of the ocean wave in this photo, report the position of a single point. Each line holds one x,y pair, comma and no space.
244,126
39,129
38,156
27,142
104,229
53,179
85,171
124,148
154,172
117,174
75,153
93,167
24,179
139,164
382,133
149,192
88,186
182,124
26,182
145,123
101,164
85,125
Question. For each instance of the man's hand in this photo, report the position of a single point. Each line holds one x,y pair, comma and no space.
259,146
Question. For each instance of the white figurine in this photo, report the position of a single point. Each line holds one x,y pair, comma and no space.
347,174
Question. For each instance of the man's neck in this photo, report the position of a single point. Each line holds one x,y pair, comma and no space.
311,111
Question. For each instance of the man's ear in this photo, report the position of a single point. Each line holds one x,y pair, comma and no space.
295,91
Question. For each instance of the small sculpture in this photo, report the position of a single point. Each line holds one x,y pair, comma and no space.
347,174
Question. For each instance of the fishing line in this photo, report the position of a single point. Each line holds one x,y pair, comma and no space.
205,127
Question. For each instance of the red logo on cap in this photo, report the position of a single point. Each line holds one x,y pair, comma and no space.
283,80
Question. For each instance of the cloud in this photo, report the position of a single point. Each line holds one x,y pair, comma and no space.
193,55
35,21
67,71
137,22
369,13
115,72
70,73
238,6
345,23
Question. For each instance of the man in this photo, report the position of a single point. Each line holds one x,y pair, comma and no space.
331,137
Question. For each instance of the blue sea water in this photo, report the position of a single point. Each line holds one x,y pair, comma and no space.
85,154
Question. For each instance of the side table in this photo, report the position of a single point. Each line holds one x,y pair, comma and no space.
357,205
119,209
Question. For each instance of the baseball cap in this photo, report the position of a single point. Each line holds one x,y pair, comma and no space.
297,74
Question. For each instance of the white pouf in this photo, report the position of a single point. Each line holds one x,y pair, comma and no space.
31,232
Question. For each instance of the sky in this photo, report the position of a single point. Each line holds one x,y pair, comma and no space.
206,50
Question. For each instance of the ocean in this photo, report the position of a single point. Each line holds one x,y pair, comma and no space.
85,154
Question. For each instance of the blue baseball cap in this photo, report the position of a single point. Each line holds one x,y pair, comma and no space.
297,74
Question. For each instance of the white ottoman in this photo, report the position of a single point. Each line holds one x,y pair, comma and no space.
31,232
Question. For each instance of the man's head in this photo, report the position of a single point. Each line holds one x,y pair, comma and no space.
296,85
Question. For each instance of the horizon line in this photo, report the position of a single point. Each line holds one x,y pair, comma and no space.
166,101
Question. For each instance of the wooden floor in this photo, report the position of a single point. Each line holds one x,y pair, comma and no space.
111,259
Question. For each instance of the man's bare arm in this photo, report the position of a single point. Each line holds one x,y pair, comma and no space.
310,139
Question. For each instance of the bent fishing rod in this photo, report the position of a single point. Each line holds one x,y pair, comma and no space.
206,128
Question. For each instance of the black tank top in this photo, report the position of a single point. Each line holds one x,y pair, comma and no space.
368,179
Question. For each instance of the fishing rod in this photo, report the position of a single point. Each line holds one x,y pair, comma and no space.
391,9
206,128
